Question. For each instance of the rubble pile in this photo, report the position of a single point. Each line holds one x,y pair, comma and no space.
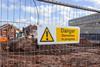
77,58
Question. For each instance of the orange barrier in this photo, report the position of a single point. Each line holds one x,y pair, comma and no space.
3,39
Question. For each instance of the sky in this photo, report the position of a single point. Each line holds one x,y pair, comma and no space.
25,12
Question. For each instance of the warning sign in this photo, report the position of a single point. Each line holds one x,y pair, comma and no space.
67,34
52,34
47,37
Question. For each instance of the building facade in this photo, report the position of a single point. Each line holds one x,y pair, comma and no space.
8,31
89,26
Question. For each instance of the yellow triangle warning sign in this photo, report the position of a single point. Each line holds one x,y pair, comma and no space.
47,37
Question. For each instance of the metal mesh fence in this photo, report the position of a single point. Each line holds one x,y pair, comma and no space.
18,35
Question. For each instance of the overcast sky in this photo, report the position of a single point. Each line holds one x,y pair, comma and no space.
25,11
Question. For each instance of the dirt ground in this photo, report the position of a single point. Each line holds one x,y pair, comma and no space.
74,57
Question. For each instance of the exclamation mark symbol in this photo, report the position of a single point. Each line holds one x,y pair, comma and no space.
47,35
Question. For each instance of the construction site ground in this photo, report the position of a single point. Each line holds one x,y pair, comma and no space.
70,56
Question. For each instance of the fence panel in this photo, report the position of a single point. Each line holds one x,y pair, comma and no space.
19,21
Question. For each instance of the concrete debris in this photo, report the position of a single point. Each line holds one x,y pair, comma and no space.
87,58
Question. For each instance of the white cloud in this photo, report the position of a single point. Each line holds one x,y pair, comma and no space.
94,1
10,7
3,6
66,13
30,20
21,20
42,10
29,9
45,10
13,1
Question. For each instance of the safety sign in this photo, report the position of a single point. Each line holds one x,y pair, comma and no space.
67,34
52,34
47,37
